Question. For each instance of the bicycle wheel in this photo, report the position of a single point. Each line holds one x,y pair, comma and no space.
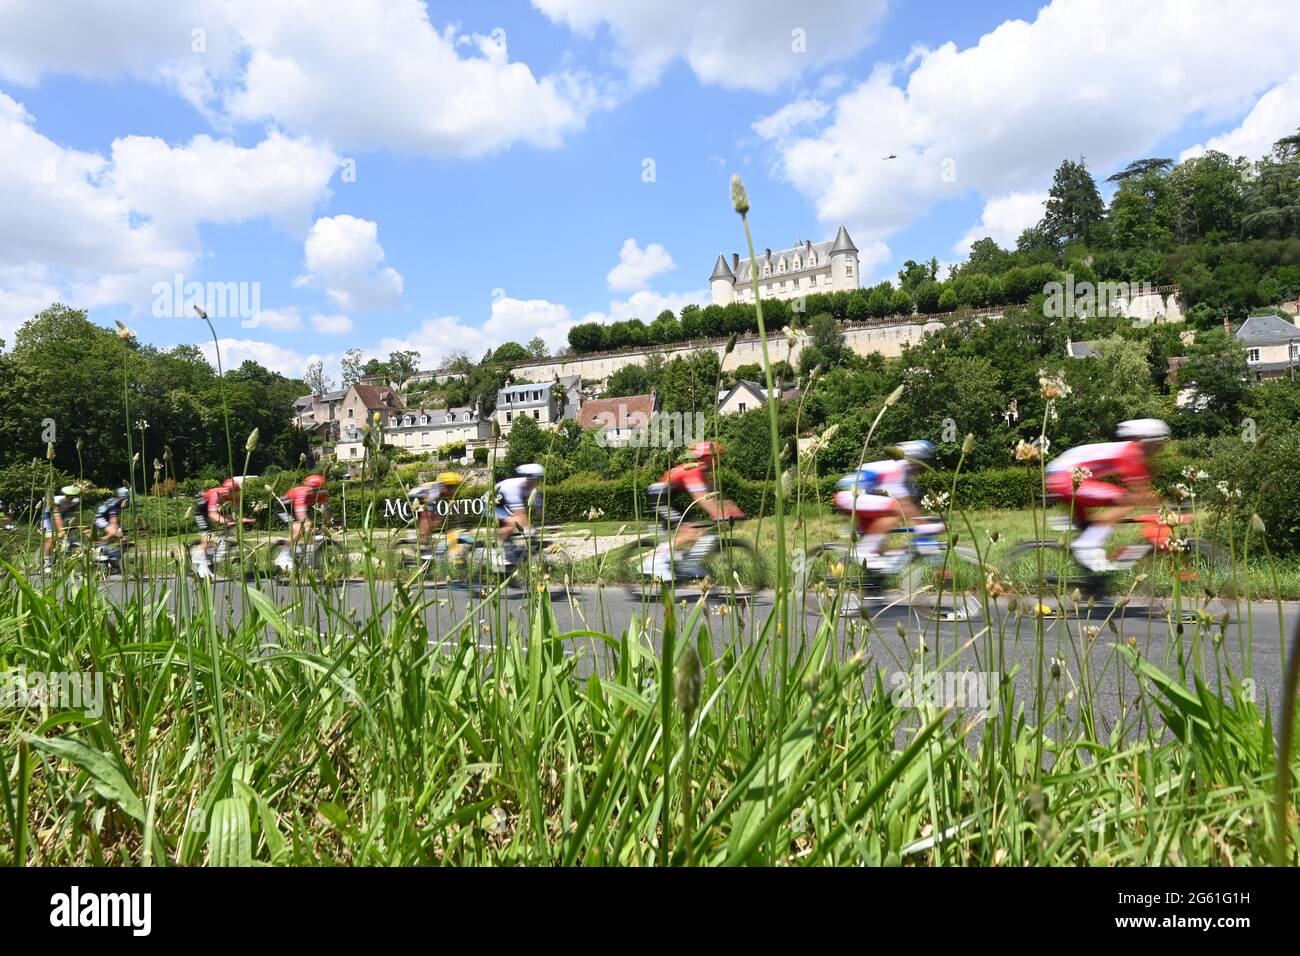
944,568
1047,561
629,563
739,563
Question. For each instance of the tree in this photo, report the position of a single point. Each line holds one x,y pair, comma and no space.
587,337
537,348
825,340
1215,371
525,443
1141,167
914,274
317,381
1142,212
1074,207
511,352
689,383
1208,196
350,368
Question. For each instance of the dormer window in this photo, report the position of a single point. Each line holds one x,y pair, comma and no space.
795,264
780,265
424,419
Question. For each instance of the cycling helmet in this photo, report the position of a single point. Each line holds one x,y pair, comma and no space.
1142,429
917,450
124,492
449,478
314,481
530,471
71,491
706,449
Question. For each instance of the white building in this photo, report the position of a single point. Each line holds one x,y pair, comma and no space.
544,402
1272,346
789,273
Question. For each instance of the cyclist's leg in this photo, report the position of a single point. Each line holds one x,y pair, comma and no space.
1102,505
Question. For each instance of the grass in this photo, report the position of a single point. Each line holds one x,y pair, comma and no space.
251,725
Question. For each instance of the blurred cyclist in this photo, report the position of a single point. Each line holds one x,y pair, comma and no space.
513,496
694,477
210,513
108,516
1096,505
302,499
55,520
881,496
431,517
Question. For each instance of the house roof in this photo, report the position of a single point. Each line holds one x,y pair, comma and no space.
437,416
1267,330
753,388
625,411
1081,349
842,242
379,398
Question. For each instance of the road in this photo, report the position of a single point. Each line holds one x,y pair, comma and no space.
1081,640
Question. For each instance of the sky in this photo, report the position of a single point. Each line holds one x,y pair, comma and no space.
445,177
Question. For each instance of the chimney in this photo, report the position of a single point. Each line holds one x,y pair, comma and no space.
1227,329
769,253
735,262
807,246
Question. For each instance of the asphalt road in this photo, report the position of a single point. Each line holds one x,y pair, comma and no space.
891,635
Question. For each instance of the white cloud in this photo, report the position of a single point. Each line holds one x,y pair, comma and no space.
749,44
331,324
277,358
789,117
106,229
637,266
359,73
1107,79
1276,114
1004,219
343,255
511,320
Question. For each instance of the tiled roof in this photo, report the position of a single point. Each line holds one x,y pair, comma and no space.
617,412
374,397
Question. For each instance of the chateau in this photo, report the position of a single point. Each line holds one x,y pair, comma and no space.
812,267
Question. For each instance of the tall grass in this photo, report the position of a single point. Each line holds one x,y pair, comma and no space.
393,723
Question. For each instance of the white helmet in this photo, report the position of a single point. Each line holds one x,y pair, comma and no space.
1142,429
530,471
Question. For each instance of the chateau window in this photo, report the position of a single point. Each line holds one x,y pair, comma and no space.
1252,355
780,266
509,415
424,419
848,269
795,264
537,414
767,270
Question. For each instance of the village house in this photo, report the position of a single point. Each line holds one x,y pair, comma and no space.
546,403
357,410
319,413
617,419
745,396
1272,346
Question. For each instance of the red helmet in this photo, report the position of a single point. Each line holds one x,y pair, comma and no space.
314,481
706,449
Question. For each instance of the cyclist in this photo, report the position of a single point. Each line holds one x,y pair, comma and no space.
55,520
108,516
881,496
430,517
694,477
209,514
1097,505
300,500
513,499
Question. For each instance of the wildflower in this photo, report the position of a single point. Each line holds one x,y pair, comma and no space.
141,424
1079,475
894,396
739,198
49,451
968,444
993,584
252,440
1183,491
1024,451
935,502
1132,643
1257,523
791,336
731,344
1053,387
1091,632
1192,473
123,333
994,536
595,513
1057,665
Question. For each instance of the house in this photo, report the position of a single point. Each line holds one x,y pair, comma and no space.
428,429
617,418
806,267
1272,346
319,413
546,403
1080,349
357,410
745,396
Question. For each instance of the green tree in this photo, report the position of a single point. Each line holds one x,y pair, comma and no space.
1074,207
350,367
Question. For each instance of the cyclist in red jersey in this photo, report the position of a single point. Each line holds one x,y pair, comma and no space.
209,514
1077,476
308,495
694,477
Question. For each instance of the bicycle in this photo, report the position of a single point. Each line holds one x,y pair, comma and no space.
461,565
1198,561
224,558
111,558
717,555
926,562
528,556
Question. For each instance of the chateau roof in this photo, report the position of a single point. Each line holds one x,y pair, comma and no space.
843,242
722,270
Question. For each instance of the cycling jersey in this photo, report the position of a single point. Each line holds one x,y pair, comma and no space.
112,507
428,494
304,497
65,509
693,477
209,502
512,494
1124,460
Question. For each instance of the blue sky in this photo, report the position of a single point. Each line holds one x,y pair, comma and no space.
500,152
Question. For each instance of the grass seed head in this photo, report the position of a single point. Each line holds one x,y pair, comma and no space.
739,198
